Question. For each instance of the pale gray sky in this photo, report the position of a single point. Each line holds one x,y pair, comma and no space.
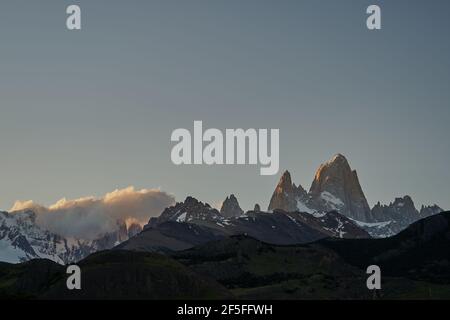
83,113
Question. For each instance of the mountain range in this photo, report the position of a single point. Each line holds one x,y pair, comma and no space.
334,207
22,239
414,264
336,187
192,222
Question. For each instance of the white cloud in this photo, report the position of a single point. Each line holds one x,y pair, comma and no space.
90,217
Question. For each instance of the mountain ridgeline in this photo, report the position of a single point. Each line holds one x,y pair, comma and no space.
312,244
192,222
23,239
414,265
334,207
336,187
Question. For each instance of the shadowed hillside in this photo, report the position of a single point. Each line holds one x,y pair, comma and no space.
110,275
414,264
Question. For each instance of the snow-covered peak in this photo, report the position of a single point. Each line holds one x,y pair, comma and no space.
22,239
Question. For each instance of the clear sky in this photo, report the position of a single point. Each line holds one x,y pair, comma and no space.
83,113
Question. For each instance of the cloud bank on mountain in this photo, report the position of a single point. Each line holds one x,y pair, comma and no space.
91,217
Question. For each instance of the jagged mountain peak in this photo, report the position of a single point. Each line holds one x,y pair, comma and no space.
231,197
402,206
189,210
400,213
337,159
22,239
286,178
336,187
405,201
287,195
335,168
191,201
426,211
231,208
285,183
338,164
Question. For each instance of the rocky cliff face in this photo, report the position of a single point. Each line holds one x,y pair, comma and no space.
230,207
287,196
402,209
188,211
426,211
335,187
400,213
193,222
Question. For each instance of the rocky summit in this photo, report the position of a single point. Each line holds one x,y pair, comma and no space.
230,207
335,206
193,222
399,214
190,210
287,196
336,187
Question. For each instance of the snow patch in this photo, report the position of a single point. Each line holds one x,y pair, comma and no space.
319,214
340,229
10,254
335,202
304,208
182,217
372,224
